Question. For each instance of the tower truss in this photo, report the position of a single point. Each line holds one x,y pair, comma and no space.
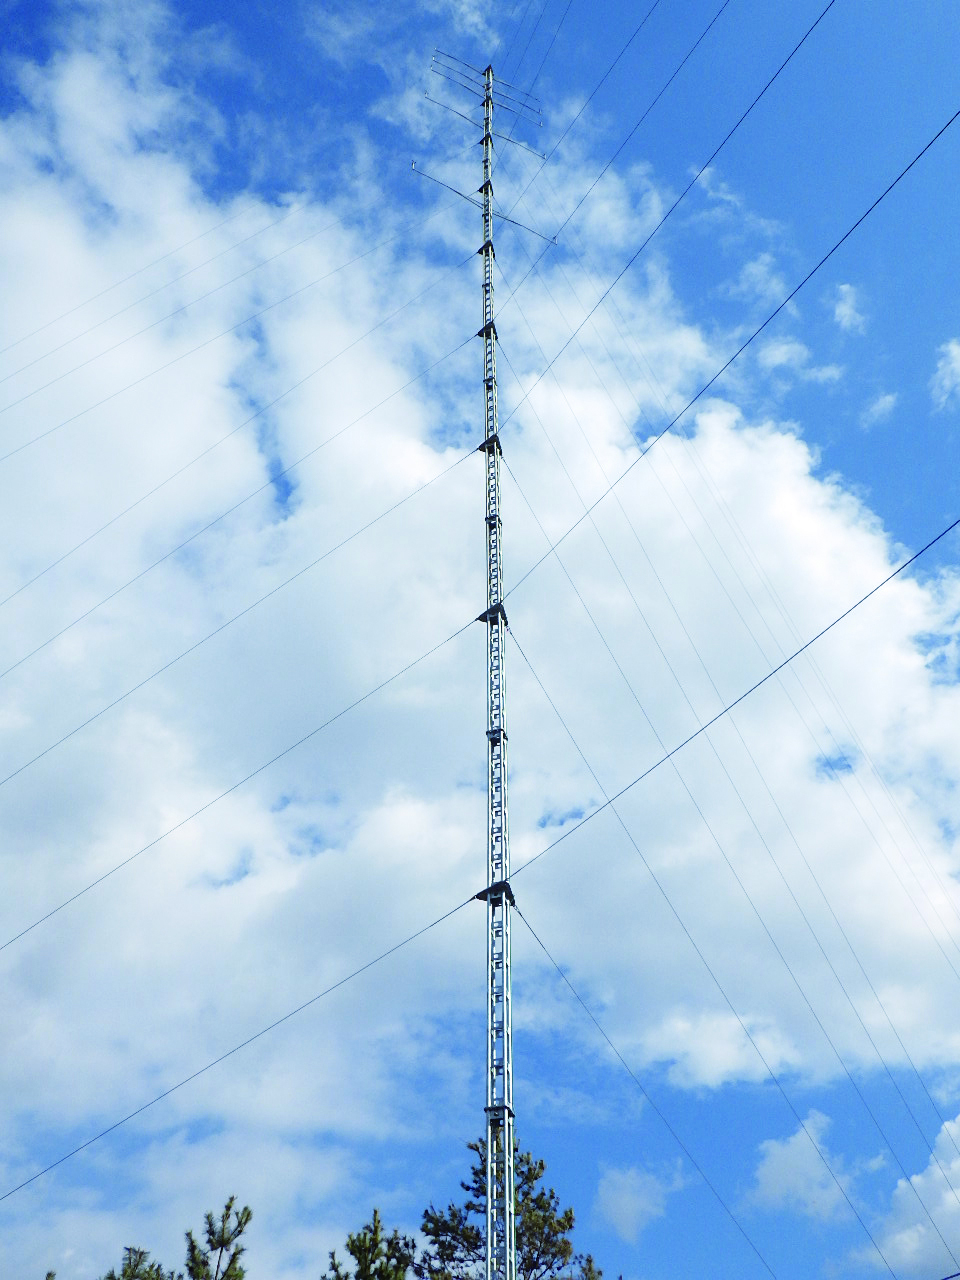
501,1262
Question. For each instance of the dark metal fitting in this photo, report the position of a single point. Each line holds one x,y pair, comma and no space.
501,889
493,614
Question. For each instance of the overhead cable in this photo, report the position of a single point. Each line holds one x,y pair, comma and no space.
929,1148
268,484
176,280
722,370
676,71
779,605
421,221
723,586
533,32
125,279
242,613
693,181
237,785
553,41
647,1096
571,830
257,1035
742,697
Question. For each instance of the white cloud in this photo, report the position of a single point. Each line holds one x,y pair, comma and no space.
906,1236
712,1049
719,190
782,353
824,373
791,1173
760,280
631,1198
945,383
879,409
789,355
343,33
846,310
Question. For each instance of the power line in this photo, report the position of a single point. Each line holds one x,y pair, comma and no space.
553,41
533,32
600,83
176,280
433,924
741,885
716,981
676,71
200,346
870,831
277,475
927,1145
268,484
236,785
571,830
693,181
390,679
764,679
647,1096
752,758
496,49
722,370
930,1148
236,617
731,521
742,697
125,279
341,982
516,33
738,534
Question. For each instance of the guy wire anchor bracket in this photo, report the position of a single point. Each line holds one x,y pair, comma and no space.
499,890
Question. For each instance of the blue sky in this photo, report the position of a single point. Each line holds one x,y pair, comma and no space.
239,401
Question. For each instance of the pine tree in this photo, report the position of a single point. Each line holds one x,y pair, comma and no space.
137,1266
544,1249
376,1256
222,1237
218,1260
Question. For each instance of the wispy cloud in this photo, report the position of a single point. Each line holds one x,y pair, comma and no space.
879,409
631,1198
789,355
793,1172
760,280
945,383
783,353
846,309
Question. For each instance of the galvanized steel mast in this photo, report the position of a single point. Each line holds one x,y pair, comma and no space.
500,1227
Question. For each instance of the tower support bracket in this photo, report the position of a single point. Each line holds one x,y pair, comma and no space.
499,890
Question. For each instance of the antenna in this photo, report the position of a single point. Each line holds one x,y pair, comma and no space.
501,1235
501,1242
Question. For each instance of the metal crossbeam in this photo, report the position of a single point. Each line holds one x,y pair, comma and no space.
501,1249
